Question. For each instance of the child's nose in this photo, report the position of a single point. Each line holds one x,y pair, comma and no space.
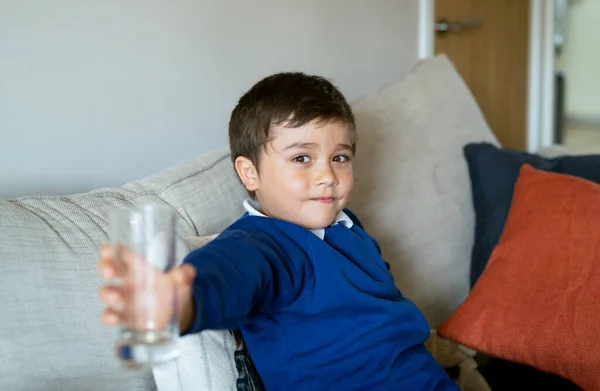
326,175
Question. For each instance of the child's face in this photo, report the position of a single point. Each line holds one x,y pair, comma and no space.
305,175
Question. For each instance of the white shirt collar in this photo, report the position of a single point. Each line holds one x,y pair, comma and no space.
252,208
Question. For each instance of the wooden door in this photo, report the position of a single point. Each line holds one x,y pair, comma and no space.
490,51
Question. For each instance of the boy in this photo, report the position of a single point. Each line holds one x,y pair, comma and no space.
297,273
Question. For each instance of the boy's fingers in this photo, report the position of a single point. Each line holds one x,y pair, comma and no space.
106,265
184,274
110,317
111,296
106,251
106,268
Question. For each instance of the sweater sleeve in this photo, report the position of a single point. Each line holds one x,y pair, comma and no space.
241,275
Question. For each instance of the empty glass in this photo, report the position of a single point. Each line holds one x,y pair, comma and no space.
143,240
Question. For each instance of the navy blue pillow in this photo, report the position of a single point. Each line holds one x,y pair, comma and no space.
493,172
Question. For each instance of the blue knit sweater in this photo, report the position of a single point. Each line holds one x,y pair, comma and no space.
315,314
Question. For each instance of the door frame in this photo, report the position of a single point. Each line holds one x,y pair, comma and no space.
540,89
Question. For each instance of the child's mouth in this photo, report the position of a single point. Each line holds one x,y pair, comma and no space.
324,200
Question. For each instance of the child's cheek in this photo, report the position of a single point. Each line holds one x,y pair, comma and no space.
298,182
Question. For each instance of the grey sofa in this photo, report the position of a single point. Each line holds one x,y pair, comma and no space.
412,193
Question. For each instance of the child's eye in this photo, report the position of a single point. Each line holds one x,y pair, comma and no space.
302,159
341,159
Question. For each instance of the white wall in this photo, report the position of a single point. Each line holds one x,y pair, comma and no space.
95,93
580,60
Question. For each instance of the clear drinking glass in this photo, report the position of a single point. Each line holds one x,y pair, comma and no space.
143,239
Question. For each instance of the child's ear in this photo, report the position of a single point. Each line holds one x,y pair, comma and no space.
247,172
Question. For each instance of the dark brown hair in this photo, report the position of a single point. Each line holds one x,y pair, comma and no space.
290,98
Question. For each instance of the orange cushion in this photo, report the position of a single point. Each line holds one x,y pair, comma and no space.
538,300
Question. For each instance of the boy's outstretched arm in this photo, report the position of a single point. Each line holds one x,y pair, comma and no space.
227,282
239,276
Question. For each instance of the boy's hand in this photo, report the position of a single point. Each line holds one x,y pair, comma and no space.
120,298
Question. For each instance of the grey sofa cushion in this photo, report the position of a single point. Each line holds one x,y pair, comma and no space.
205,191
51,337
